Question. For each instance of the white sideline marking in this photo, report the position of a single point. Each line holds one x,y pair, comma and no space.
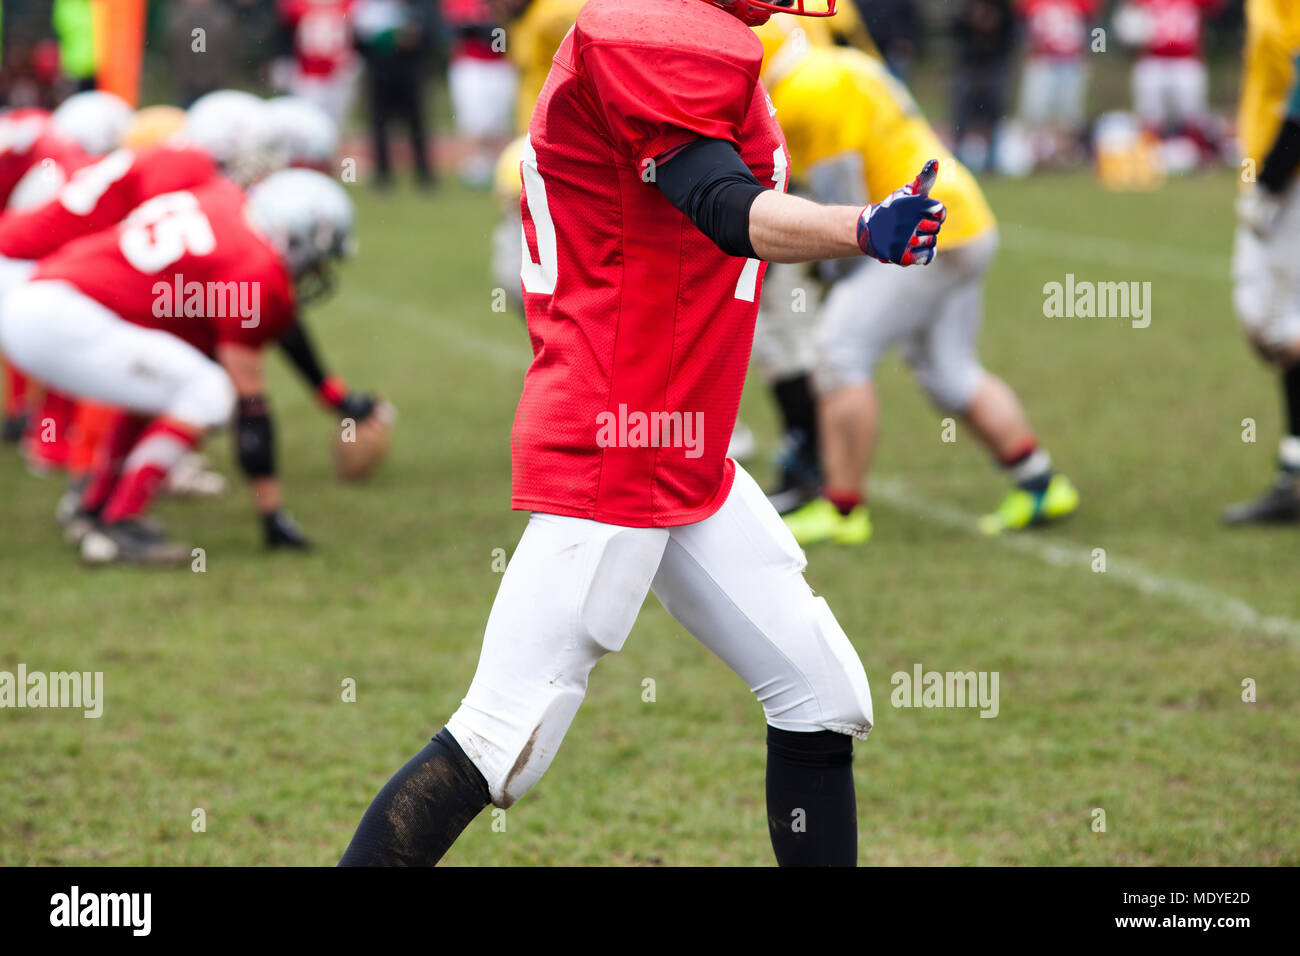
1214,607
1115,253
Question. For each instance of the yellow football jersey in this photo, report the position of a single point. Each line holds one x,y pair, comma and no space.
838,106
1269,73
531,42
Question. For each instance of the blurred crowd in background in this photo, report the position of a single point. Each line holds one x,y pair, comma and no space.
1017,85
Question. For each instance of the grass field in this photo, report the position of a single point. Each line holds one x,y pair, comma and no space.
1119,690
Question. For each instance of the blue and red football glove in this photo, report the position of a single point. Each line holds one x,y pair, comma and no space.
903,227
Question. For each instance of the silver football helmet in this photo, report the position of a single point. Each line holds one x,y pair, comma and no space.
310,219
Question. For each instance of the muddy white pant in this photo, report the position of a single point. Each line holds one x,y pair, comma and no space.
61,337
574,588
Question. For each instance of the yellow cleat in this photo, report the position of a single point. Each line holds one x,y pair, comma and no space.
1020,508
819,521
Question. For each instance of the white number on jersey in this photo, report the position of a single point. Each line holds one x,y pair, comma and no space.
19,135
539,277
88,185
747,285
165,228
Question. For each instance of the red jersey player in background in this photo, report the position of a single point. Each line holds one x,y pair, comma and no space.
1170,82
38,152
100,195
165,317
654,178
1054,84
482,83
317,60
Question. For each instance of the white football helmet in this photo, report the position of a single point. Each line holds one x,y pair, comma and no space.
235,129
94,120
310,219
307,135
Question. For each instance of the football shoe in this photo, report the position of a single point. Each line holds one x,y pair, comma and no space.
1279,505
819,521
133,541
1021,509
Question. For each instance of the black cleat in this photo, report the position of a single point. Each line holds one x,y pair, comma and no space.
134,541
1279,505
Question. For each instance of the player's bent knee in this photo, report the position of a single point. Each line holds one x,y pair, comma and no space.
841,697
951,390
512,757
847,709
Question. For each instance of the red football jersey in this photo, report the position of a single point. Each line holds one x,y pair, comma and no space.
100,195
27,139
1174,29
641,327
1056,28
189,263
322,34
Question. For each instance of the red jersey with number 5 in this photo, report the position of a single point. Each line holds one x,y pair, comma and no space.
189,263
100,195
641,327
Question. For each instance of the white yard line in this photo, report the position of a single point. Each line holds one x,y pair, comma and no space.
458,337
1210,605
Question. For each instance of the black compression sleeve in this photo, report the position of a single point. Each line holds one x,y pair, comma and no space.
255,438
302,353
1282,160
710,184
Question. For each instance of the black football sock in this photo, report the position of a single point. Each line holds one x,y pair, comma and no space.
421,810
812,814
794,398
1289,455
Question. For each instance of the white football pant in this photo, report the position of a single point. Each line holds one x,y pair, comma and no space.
67,340
1168,91
1054,92
332,93
1266,278
933,314
784,335
572,592
483,96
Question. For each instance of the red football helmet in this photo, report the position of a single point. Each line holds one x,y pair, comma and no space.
754,13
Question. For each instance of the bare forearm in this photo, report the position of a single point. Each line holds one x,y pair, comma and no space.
784,228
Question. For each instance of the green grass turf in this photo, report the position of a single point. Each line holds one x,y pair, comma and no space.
223,689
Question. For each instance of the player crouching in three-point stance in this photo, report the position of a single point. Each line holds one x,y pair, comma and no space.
654,177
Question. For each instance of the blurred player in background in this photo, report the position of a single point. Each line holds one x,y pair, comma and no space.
196,72
852,128
1054,83
534,30
317,60
1266,257
1170,81
89,323
394,40
985,33
38,152
483,84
